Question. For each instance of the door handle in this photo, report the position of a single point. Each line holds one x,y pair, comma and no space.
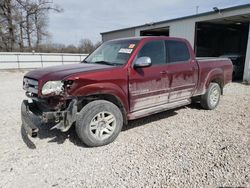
163,72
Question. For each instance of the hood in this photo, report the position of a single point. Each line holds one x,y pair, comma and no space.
62,71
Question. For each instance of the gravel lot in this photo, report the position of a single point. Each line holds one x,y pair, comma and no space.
186,147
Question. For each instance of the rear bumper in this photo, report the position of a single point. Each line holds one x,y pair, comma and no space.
29,118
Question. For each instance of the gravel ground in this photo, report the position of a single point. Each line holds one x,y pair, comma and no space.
186,147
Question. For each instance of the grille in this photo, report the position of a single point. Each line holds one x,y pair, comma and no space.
30,85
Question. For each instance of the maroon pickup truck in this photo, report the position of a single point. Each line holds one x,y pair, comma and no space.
122,80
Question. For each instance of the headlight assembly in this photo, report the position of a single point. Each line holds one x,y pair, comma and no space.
55,87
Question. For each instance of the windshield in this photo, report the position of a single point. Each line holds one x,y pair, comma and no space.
112,53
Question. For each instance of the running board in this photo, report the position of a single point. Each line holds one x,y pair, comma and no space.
157,109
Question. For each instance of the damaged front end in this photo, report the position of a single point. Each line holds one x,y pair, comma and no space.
56,109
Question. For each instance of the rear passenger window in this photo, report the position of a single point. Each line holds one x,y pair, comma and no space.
155,50
177,51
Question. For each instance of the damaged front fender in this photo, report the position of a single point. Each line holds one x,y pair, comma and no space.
64,119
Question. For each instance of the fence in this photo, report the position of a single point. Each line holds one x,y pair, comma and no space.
10,60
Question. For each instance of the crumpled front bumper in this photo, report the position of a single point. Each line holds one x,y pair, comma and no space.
29,117
32,116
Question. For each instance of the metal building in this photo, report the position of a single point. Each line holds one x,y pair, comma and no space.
221,32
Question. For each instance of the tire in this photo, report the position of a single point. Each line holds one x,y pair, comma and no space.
99,123
211,98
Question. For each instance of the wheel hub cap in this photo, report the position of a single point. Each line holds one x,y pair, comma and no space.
102,125
214,96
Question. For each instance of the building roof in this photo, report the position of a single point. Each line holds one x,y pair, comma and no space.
182,18
144,37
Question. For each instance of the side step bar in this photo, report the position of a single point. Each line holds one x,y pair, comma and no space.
157,109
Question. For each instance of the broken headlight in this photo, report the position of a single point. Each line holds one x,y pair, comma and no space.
55,87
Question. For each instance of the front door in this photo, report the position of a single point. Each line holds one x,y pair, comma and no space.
149,86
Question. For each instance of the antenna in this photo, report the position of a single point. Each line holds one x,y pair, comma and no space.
197,9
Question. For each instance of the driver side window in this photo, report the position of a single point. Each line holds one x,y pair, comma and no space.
155,50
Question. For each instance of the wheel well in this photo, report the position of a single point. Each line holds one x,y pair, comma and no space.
111,98
220,82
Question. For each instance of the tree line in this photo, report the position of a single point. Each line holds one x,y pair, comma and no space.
23,27
84,46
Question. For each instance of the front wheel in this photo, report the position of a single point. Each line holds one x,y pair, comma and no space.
99,123
211,98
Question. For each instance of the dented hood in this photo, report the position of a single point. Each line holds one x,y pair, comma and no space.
62,71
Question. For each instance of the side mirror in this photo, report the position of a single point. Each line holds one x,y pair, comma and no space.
143,62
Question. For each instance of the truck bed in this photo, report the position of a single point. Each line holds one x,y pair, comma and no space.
206,59
207,71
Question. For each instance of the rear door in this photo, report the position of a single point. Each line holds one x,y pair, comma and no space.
149,86
182,70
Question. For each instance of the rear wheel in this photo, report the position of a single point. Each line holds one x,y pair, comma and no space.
211,98
99,123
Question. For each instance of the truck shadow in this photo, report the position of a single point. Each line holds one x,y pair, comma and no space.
240,81
150,119
56,136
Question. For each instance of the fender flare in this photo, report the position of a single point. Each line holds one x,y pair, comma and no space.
215,74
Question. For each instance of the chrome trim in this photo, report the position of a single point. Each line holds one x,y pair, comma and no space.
30,85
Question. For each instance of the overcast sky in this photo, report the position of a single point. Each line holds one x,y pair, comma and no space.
88,18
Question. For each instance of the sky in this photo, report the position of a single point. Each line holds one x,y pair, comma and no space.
88,18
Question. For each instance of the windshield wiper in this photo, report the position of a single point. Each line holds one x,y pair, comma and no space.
105,63
84,61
